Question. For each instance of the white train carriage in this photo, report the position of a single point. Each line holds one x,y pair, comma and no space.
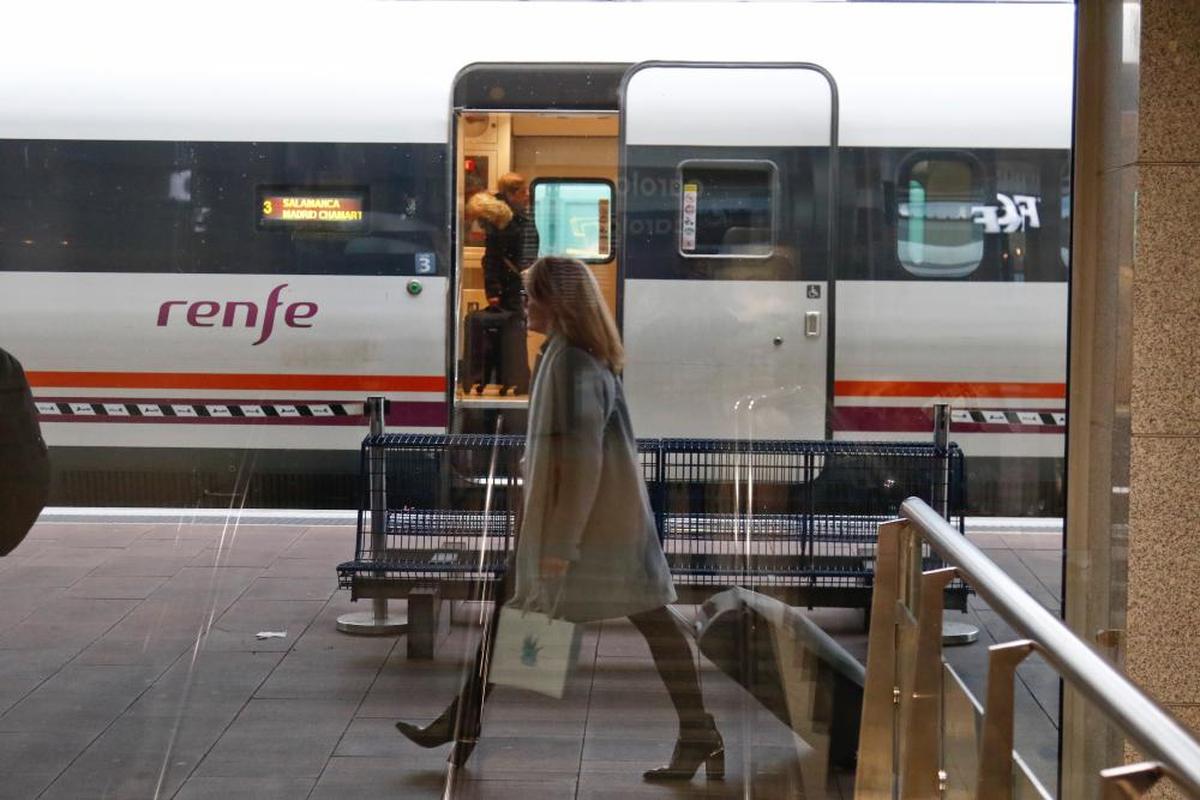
223,226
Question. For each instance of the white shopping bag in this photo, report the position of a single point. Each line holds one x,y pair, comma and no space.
533,651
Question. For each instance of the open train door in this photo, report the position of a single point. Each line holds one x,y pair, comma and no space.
725,210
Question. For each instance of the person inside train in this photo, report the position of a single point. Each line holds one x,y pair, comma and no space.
587,536
510,246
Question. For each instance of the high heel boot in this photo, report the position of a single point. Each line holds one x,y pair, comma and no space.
440,732
701,744
436,733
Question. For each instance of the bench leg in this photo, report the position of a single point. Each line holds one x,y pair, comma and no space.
424,622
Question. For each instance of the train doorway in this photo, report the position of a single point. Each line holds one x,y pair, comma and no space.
726,211
535,174
529,184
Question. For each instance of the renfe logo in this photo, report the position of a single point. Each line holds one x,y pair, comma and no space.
200,311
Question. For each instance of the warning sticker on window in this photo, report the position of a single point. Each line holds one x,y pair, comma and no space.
687,228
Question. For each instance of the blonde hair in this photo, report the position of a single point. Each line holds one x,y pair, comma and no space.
510,182
569,292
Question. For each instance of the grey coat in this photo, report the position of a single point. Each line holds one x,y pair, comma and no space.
585,498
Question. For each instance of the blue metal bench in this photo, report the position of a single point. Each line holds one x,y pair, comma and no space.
793,519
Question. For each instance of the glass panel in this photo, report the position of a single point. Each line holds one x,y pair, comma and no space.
218,286
938,237
573,218
906,657
1026,786
961,719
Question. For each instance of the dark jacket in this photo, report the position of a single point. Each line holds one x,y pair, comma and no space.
507,251
24,465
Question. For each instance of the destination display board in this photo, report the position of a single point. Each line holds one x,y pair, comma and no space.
312,208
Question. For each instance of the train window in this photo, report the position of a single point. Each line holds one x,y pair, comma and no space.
189,207
727,209
938,236
574,218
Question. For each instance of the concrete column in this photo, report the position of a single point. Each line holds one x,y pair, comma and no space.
1133,563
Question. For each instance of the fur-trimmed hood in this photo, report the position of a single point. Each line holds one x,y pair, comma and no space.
489,208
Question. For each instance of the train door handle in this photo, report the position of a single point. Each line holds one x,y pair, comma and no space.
812,323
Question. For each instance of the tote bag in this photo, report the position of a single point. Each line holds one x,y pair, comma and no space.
534,651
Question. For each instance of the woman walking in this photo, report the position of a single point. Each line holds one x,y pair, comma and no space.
587,530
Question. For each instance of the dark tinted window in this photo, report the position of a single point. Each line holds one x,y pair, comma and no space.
1024,218
727,208
195,207
975,215
761,213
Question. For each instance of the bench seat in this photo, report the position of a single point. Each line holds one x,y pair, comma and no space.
795,520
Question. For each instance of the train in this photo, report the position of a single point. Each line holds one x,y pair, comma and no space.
224,226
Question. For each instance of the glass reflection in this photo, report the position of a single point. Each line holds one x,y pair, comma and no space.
714,413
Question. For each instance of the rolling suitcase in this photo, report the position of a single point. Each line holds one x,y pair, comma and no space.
485,348
515,355
495,352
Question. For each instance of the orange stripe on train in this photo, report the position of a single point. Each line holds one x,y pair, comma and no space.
949,389
238,380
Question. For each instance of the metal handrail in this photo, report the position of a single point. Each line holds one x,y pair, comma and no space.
1155,733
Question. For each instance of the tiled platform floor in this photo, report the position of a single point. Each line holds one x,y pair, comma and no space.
131,669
